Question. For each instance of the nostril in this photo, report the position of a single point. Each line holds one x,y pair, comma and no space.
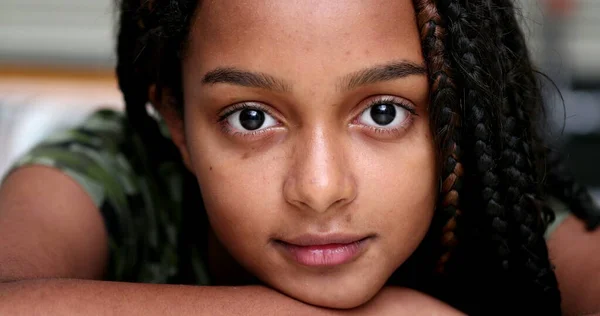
339,202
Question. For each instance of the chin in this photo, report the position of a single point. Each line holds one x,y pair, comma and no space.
341,298
331,291
348,301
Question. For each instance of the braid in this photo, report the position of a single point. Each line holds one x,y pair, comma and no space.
148,32
501,98
150,38
446,122
558,181
523,198
467,47
134,85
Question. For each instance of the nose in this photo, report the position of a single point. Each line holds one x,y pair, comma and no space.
320,178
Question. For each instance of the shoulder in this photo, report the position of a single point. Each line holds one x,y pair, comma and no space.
89,153
575,252
138,200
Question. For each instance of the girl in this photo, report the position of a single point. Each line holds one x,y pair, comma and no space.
351,157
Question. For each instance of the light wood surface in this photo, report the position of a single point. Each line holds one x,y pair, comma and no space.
36,101
63,86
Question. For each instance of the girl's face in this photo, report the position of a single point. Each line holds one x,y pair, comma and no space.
306,125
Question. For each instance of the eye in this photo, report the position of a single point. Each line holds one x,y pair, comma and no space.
250,119
384,114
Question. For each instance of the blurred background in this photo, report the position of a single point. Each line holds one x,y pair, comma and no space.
56,66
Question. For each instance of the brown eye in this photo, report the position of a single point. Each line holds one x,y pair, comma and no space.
249,119
384,115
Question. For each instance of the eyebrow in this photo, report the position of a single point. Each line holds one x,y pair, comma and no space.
244,78
385,72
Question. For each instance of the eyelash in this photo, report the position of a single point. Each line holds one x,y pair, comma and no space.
394,101
241,106
222,117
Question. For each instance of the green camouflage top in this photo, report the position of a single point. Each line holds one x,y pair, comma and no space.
144,225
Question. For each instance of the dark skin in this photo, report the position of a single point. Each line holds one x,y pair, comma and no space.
52,267
37,249
223,268
318,167
317,195
575,252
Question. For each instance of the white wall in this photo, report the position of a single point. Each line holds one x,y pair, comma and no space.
57,31
582,38
80,31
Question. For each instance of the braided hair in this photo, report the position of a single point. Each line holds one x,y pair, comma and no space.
500,97
490,256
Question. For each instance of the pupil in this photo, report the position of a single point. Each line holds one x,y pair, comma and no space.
383,114
252,119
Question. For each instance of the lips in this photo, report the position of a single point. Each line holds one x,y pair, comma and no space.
324,250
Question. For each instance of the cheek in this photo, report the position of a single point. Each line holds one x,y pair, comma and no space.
399,190
241,195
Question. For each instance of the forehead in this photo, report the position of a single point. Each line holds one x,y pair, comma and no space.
303,34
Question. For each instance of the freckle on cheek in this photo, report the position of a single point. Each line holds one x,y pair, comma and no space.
210,168
348,218
249,153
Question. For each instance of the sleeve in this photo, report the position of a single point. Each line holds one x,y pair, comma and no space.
103,156
89,155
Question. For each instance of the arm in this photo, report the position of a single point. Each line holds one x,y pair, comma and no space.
576,254
49,227
66,297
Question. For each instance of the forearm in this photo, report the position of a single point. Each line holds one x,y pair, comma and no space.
81,297
66,297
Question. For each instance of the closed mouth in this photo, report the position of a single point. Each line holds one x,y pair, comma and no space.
324,251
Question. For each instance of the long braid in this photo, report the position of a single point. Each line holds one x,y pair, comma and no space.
469,286
446,122
522,158
467,52
518,233
524,195
151,37
136,71
554,176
